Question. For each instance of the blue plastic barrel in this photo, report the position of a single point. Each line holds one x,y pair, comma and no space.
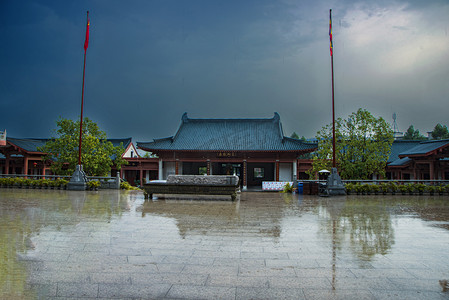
300,187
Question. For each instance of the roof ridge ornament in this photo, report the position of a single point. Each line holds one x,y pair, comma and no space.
184,117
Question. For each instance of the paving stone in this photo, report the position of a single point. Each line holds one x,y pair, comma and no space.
269,293
145,291
237,281
201,292
262,247
356,294
299,282
77,290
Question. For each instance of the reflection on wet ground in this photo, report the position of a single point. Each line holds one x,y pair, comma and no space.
113,244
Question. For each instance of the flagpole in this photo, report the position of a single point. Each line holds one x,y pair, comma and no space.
334,185
82,93
334,163
78,180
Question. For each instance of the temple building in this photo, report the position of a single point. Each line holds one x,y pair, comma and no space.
256,150
420,160
22,156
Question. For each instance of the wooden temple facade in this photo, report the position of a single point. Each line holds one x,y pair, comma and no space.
256,150
419,160
22,156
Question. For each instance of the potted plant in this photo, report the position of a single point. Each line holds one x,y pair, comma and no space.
19,182
27,183
62,183
420,188
93,185
287,188
44,183
11,182
440,189
375,188
349,188
384,187
402,188
358,188
410,188
393,187
366,189
446,188
34,183
431,189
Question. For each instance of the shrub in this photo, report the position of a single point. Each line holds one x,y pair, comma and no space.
126,186
431,189
402,188
358,188
93,184
349,187
62,183
287,188
420,187
375,188
393,186
384,187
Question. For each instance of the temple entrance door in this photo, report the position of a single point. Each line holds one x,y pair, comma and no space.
227,169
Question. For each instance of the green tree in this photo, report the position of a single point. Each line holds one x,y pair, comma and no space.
363,145
98,155
294,135
440,132
412,134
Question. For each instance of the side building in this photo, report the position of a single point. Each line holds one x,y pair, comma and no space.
256,150
21,156
420,160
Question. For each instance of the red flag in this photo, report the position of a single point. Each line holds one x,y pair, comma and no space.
86,42
330,30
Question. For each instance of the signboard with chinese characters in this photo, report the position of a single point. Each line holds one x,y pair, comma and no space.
224,154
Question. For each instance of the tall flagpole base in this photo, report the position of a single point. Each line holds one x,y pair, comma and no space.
78,182
335,186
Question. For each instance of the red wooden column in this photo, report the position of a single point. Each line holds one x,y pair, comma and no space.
7,163
25,165
431,170
277,170
177,167
245,170
141,173
208,167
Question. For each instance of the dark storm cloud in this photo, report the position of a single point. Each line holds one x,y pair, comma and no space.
150,61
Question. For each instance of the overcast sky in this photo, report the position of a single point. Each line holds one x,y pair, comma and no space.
148,62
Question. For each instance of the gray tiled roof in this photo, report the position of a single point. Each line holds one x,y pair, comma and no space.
229,134
29,145
116,142
400,162
399,147
425,147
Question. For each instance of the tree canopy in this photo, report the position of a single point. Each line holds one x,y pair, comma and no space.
98,154
440,132
363,145
294,135
412,134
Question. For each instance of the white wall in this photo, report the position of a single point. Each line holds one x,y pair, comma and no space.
168,169
285,172
132,150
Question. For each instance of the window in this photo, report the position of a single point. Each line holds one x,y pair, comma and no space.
259,173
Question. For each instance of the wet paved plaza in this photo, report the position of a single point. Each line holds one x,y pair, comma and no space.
113,244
